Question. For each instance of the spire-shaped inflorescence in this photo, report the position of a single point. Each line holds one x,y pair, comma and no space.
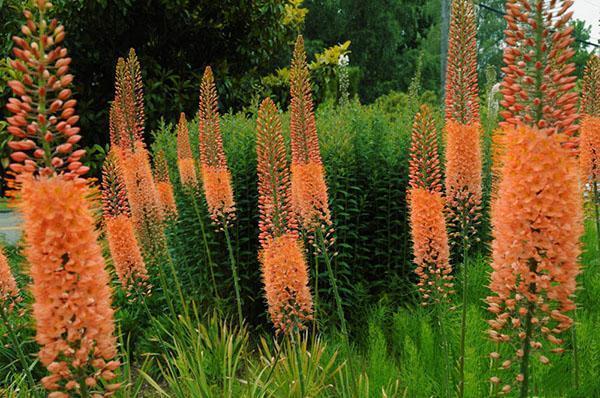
539,80
44,119
215,173
284,267
424,164
309,189
462,96
124,249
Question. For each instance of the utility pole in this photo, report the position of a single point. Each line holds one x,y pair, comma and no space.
445,26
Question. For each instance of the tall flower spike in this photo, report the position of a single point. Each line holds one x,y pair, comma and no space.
72,298
539,80
72,308
590,127
9,291
185,159
125,118
463,182
276,215
430,246
462,96
284,267
537,224
164,186
125,251
215,173
309,189
44,120
424,164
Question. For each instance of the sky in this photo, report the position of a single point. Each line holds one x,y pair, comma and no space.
589,11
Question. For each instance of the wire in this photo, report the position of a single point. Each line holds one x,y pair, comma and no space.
499,12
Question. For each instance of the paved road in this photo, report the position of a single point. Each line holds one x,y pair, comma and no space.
10,230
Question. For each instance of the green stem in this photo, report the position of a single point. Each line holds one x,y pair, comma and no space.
234,272
526,350
177,285
336,293
316,306
192,194
83,388
299,363
439,313
596,188
15,342
575,351
463,325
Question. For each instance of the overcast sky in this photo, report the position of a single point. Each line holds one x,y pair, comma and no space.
589,11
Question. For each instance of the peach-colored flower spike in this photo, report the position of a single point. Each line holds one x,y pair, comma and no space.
537,224
462,96
276,215
589,156
430,246
216,176
44,120
539,82
164,186
424,165
72,308
284,267
9,291
125,251
463,181
285,276
185,159
309,189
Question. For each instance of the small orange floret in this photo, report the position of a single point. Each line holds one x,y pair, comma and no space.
537,223
72,297
463,180
9,291
285,277
127,257
430,246
219,194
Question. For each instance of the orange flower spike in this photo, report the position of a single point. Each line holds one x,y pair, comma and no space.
463,180
72,297
146,209
309,189
285,275
127,258
462,93
129,99
164,186
9,291
303,129
424,164
216,177
430,246
539,79
45,137
185,159
589,156
537,223
274,195
114,194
